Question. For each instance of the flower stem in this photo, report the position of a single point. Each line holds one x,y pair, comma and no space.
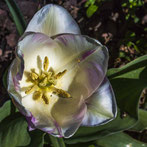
57,142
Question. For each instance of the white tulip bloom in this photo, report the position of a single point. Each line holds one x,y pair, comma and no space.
58,78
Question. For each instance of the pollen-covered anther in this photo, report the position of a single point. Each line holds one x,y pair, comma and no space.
34,75
42,76
37,95
61,93
44,82
46,63
45,98
52,81
31,89
60,74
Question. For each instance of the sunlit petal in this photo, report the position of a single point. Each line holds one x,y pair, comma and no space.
101,106
52,20
86,68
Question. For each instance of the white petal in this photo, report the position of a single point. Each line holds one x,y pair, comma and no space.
84,76
14,75
52,20
63,53
85,60
101,106
34,47
68,114
39,110
13,80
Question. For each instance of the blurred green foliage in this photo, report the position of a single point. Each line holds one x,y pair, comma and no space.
131,6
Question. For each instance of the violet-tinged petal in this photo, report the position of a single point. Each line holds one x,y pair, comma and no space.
31,122
101,106
68,119
13,80
86,68
86,60
52,20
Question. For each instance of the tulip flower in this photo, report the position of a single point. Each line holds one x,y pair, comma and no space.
58,78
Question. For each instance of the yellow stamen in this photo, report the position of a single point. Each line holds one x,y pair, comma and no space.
31,89
45,98
49,74
37,95
61,93
60,74
46,63
34,76
42,76
52,81
44,82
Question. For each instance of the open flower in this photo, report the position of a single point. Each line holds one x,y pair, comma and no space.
57,79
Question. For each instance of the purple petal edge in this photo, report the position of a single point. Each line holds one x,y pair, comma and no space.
31,121
88,53
58,129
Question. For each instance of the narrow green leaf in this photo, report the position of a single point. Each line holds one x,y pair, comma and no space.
132,66
17,16
142,122
119,140
13,131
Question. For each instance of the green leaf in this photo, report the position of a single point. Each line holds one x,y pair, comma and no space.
124,5
37,138
57,142
5,110
5,78
142,122
13,131
136,20
119,140
128,83
91,10
86,134
17,16
89,2
132,66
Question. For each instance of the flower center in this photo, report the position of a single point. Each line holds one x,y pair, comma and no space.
44,84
